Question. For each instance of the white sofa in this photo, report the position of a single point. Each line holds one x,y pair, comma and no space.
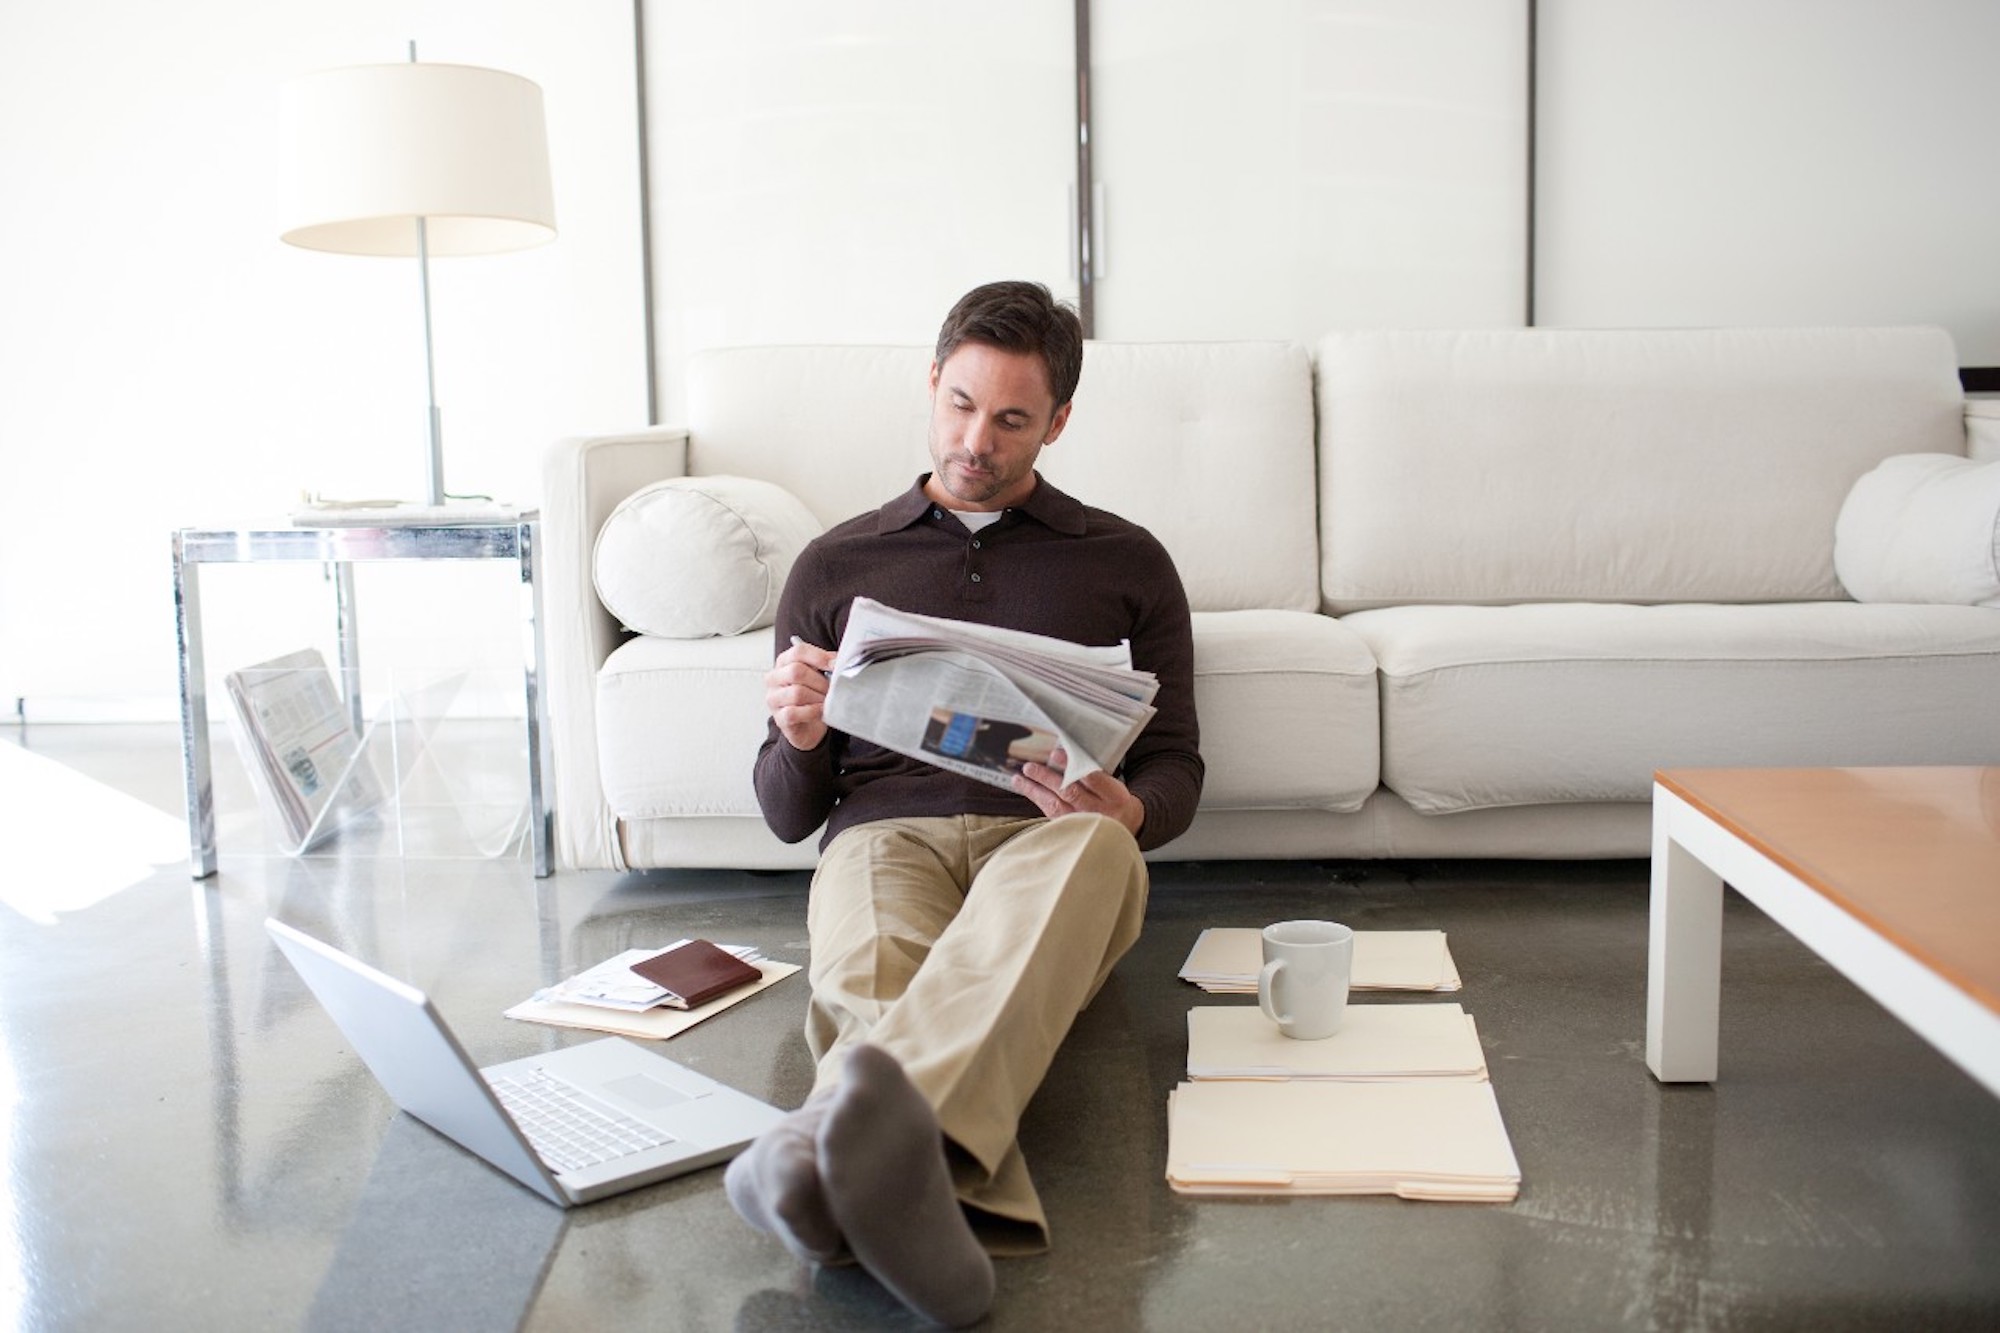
1455,593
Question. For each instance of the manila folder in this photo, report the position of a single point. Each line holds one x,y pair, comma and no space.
1422,1140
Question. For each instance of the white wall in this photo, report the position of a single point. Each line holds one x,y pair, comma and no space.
165,361
844,172
1770,162
1282,168
1271,169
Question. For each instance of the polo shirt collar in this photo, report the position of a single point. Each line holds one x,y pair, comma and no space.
1045,504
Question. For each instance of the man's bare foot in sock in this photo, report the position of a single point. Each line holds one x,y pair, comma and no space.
882,1164
774,1185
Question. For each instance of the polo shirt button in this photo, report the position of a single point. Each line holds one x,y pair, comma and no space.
937,513
975,578
975,544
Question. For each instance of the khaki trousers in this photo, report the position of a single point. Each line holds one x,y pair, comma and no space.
965,947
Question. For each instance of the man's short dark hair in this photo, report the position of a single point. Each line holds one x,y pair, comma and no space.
1019,317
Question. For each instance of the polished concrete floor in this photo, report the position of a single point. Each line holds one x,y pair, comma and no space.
188,1145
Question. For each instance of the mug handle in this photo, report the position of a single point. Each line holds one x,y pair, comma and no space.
1267,982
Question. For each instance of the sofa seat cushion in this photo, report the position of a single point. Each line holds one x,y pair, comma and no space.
1515,705
1287,704
678,725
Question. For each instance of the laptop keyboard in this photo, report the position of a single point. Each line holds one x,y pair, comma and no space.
568,1127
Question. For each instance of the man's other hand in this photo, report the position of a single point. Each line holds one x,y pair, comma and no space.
1095,793
795,694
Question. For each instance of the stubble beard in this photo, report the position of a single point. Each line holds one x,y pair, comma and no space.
977,487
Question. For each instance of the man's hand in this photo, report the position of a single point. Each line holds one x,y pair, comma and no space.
795,694
1095,793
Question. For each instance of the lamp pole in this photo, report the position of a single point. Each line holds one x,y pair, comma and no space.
435,483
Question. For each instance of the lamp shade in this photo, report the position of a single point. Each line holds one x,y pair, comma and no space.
370,149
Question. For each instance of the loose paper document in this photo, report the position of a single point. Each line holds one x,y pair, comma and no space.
1226,961
982,701
612,984
1419,1140
325,513
1375,1042
612,998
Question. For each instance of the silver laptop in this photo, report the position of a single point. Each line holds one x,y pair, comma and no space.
573,1125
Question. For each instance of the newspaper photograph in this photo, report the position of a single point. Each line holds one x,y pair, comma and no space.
981,701
988,742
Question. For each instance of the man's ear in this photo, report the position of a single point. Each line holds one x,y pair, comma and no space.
935,368
1056,424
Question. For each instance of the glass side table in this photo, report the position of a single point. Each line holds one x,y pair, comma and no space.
339,548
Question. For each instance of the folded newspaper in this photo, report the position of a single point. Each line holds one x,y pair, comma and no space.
314,770
982,701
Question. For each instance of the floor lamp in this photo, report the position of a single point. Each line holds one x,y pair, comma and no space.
416,159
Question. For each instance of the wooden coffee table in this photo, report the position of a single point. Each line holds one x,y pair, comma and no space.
1890,874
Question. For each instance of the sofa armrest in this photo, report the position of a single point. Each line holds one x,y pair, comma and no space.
1982,428
583,479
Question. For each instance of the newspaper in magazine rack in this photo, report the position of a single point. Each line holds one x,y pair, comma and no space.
982,701
311,769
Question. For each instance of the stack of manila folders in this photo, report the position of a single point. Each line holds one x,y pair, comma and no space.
1396,1102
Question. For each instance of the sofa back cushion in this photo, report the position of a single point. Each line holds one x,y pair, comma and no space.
1685,465
1208,445
840,427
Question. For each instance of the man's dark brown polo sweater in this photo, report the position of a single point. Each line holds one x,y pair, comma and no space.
1051,566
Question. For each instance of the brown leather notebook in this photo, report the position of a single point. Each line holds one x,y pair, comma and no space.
696,972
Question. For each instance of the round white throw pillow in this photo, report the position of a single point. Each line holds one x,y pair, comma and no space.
1922,528
697,557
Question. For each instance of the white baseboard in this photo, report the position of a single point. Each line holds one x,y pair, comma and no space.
59,708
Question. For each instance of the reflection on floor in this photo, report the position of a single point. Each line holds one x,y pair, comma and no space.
76,841
188,1144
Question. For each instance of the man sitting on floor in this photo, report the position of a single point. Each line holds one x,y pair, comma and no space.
957,928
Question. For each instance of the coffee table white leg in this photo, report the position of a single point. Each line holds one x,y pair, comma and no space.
1683,956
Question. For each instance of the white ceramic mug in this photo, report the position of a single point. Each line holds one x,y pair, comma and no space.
1303,987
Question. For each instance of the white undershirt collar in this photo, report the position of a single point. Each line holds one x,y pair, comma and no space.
977,519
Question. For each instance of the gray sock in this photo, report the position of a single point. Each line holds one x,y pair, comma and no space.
882,1162
774,1185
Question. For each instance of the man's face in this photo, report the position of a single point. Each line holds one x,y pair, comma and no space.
991,413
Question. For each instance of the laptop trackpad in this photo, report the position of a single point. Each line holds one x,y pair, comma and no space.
643,1090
